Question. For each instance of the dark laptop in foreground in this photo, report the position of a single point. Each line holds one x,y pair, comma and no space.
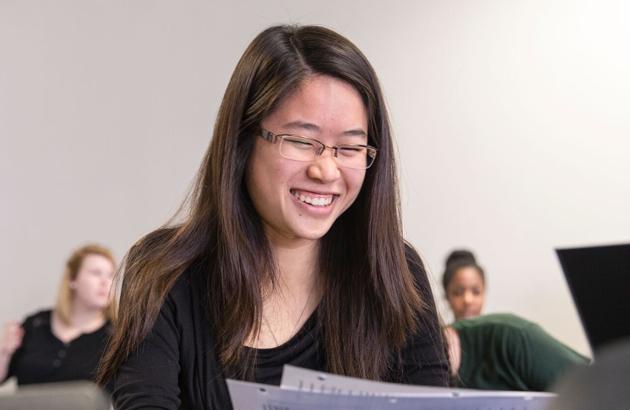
599,280
57,396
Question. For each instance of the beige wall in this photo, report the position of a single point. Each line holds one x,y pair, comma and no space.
511,120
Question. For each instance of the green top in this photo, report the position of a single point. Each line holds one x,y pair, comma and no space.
506,352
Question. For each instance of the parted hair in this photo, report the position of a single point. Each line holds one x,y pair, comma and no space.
365,276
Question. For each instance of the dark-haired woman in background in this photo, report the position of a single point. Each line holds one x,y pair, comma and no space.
497,351
65,343
464,284
292,252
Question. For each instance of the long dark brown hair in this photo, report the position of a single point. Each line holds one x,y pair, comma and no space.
366,279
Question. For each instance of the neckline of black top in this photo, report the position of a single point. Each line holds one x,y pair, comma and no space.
78,337
304,331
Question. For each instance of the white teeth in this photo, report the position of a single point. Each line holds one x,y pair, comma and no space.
314,201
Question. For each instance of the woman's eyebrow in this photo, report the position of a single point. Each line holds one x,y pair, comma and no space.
313,127
355,133
303,125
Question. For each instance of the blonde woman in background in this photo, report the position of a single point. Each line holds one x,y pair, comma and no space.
64,343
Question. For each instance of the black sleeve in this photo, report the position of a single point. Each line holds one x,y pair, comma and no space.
27,325
149,378
424,359
14,359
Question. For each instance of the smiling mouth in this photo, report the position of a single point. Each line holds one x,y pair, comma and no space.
314,200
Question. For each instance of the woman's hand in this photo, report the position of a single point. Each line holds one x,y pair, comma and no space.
10,342
11,338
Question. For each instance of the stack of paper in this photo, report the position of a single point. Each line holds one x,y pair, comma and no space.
303,389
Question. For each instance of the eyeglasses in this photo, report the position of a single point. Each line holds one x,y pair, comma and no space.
305,149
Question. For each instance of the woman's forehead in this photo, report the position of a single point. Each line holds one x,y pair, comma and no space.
322,104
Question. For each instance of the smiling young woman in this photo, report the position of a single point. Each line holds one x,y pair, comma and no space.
300,200
292,252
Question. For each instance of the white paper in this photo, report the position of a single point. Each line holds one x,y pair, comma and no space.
252,396
297,378
303,389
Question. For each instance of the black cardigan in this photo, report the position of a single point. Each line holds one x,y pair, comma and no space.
177,366
43,358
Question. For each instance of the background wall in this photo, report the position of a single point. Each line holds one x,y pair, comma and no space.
511,119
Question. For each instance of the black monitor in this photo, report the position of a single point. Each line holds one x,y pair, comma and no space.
599,280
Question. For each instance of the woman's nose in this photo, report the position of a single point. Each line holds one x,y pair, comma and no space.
324,168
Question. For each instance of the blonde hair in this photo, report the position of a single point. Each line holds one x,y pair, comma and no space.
63,308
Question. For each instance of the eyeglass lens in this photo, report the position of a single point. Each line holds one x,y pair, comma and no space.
303,149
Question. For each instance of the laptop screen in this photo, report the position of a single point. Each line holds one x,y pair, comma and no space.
599,280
